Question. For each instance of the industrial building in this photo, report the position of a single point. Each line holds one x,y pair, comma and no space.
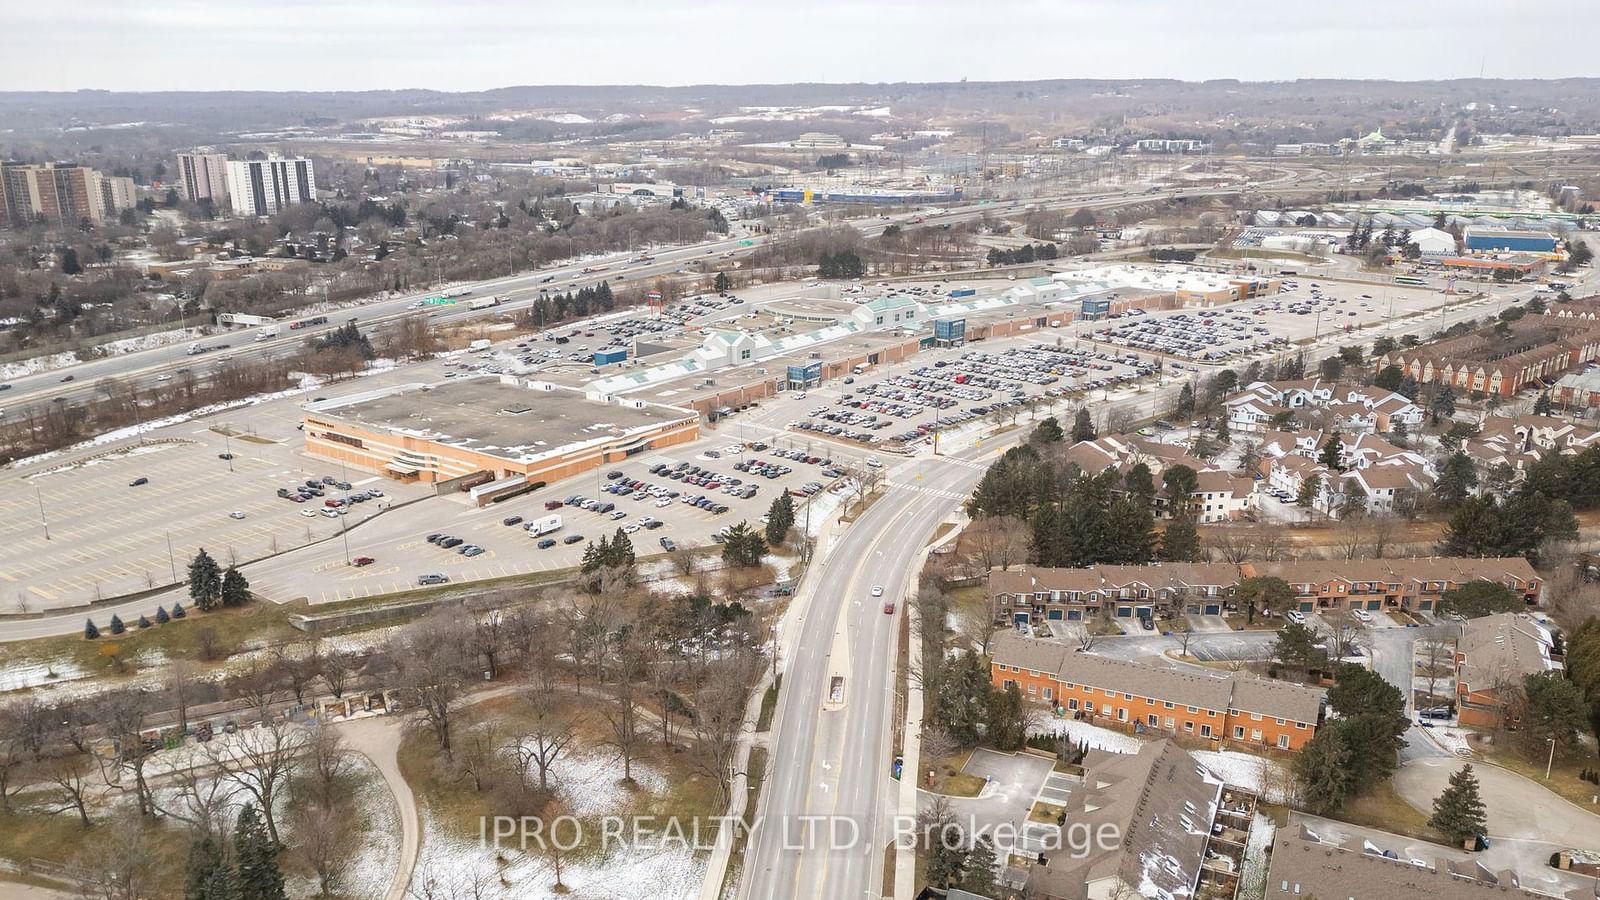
1498,238
262,187
491,434
864,196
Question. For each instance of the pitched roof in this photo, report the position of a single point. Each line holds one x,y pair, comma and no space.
1394,571
1502,647
1029,579
1184,687
1303,867
1161,801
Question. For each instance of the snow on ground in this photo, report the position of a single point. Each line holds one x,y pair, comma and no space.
112,348
1253,877
622,867
1268,778
1451,739
1096,737
372,867
35,674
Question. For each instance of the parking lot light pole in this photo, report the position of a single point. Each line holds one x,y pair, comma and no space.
227,446
172,558
42,520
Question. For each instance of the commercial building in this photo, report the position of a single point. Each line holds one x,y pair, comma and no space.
262,187
1498,238
62,194
1217,709
498,432
203,176
1492,657
865,196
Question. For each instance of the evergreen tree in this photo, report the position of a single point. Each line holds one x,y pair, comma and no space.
1048,431
1444,403
235,588
621,554
205,581
1185,407
209,877
1323,771
161,616
1138,482
743,546
780,518
1541,406
1083,426
90,632
1459,813
979,868
1006,719
116,624
721,282
178,611
1330,454
144,622
1180,542
1310,486
259,877
962,700
1223,434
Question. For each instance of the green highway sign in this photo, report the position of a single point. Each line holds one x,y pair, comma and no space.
747,243
438,301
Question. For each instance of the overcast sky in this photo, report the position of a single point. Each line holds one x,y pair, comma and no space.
477,44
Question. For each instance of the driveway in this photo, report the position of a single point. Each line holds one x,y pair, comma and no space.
1519,808
1016,779
1208,624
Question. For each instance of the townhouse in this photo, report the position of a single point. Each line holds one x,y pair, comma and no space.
1305,867
1493,655
1218,708
1219,496
1518,442
1353,410
1026,594
1222,496
1374,584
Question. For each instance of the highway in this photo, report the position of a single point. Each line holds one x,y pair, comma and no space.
145,367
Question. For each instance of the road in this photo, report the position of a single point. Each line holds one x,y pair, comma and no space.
519,290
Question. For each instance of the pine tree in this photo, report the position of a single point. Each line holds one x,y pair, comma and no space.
1323,771
1459,812
1082,426
259,877
144,622
1541,406
90,632
161,616
1223,433
780,518
116,624
978,873
178,611
621,553
1180,542
1330,454
721,282
235,589
1185,407
205,581
209,877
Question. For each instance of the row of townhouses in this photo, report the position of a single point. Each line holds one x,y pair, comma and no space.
1026,594
1373,473
1264,405
1201,706
1219,496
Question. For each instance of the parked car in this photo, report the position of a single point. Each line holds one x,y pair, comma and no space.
510,520
362,561
546,544
434,578
572,539
668,545
138,481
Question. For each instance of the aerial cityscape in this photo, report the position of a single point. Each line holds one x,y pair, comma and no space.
454,452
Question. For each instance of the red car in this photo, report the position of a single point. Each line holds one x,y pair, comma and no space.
332,503
552,504
888,608
362,561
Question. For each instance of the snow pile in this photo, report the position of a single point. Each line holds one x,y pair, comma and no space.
1096,737
1268,778
53,361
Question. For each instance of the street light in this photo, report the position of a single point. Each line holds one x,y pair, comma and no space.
1549,764
44,521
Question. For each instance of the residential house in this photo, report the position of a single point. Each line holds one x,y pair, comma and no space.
1493,655
1303,867
1385,487
1222,496
1027,594
1212,707
1376,584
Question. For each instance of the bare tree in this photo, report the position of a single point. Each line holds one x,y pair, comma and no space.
180,689
998,541
937,742
122,714
1183,629
1350,535
260,761
324,841
435,661
549,733
116,865
259,683
489,640
337,670
477,753
297,666
1383,529
327,764
1346,640
718,719
202,800
72,775
1435,656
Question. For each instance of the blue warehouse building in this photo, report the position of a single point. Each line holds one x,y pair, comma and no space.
1490,238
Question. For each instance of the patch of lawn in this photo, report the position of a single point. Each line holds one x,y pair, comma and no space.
1382,808
769,705
1045,813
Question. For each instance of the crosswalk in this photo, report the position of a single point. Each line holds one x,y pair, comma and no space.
935,492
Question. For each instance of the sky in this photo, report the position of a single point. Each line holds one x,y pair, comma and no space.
463,45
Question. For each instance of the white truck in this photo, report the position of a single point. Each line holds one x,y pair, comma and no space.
267,333
544,526
480,345
194,349
484,302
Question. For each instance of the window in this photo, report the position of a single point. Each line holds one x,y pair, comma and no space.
1033,689
1194,709
1189,727
1205,730
1255,734
1006,684
1166,704
1283,722
1283,742
1034,672
1072,705
1108,693
1153,720
1127,696
1122,714
1254,717
1049,694
1088,706
1170,724
1238,732
1301,726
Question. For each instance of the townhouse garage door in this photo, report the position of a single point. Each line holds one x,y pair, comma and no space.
1054,614
1213,609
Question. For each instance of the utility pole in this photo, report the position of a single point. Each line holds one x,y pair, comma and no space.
44,521
227,446
172,558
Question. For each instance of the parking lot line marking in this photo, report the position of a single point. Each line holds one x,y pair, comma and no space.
7,577
41,592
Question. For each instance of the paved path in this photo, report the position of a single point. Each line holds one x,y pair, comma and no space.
378,739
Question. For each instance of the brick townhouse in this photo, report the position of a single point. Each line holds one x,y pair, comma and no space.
1237,709
1375,584
1492,657
1024,594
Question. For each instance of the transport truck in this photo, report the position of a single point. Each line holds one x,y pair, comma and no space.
544,526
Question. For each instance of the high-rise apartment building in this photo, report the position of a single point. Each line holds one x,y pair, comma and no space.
203,176
261,187
59,194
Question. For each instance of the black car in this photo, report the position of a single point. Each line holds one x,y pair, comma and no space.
510,520
451,542
572,539
138,481
434,538
224,456
547,543
68,378
614,474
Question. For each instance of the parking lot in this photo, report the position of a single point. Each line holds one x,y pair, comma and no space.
472,544
948,390
1301,309
129,519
